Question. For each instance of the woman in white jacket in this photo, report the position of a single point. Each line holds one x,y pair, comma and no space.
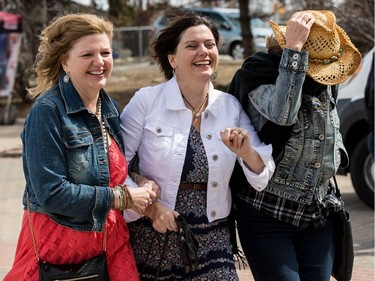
188,136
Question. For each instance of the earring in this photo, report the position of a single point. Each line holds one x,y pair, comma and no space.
173,71
66,78
214,75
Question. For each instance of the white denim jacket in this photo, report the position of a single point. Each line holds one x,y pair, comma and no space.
156,124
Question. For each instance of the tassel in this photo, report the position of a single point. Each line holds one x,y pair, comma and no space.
240,259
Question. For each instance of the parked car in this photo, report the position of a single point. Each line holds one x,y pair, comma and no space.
227,21
354,130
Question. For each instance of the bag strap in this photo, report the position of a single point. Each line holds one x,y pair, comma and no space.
33,236
338,193
166,236
337,190
31,228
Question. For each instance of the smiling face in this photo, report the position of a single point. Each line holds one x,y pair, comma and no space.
89,63
196,54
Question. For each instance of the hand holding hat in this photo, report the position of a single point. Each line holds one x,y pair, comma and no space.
298,30
332,56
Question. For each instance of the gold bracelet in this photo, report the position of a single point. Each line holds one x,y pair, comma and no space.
126,200
129,199
131,202
123,198
116,197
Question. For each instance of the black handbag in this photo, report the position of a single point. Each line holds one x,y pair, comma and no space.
92,269
344,250
188,244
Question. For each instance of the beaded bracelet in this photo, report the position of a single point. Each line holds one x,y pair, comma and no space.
116,199
125,199
129,201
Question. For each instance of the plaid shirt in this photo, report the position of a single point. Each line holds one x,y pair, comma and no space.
299,215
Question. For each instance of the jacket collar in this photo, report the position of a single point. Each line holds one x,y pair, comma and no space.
74,103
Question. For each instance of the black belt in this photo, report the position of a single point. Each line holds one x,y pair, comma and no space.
194,186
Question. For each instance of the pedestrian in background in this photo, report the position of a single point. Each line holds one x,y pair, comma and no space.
187,136
289,93
73,158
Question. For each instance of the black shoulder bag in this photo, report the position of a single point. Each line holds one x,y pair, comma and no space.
344,251
92,269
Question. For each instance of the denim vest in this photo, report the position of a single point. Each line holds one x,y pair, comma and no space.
315,149
64,159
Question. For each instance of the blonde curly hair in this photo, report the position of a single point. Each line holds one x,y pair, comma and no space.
55,42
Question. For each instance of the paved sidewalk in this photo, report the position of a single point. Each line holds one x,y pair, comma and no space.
12,185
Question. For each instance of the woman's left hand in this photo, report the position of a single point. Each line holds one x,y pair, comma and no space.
237,140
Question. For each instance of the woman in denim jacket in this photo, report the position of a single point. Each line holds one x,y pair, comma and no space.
286,230
73,157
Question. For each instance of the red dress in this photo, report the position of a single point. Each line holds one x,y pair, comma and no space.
58,244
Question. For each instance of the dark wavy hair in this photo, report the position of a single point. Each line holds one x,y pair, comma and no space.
170,36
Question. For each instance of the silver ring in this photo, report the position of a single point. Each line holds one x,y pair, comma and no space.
238,130
244,135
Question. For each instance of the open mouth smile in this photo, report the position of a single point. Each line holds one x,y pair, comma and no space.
202,63
101,72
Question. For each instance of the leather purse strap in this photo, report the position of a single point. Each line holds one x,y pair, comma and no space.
337,190
161,255
33,236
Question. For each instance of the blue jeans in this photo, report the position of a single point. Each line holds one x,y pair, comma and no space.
277,251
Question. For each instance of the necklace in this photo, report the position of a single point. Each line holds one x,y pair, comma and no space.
102,124
196,112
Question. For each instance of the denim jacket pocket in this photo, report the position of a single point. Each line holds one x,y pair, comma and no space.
292,152
79,151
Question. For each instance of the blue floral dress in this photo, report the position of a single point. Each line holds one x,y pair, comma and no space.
215,250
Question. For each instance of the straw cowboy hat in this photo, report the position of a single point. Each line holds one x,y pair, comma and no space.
332,56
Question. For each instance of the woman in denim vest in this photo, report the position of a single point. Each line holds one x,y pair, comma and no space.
73,157
286,230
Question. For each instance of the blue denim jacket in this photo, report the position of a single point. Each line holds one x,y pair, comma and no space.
64,160
315,149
